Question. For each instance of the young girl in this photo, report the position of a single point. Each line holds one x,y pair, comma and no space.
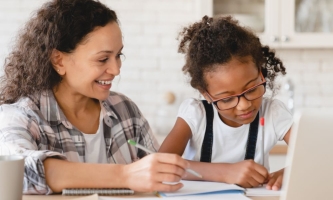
228,65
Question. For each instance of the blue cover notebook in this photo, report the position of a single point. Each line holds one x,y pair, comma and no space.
203,187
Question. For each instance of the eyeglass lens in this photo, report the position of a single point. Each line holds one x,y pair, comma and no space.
250,95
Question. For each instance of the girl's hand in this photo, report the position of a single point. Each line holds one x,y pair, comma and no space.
247,174
149,173
275,180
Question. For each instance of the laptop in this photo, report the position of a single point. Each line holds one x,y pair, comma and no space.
309,172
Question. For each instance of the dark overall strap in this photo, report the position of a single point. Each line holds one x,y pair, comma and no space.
252,139
207,144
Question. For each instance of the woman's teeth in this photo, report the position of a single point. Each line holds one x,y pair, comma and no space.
104,82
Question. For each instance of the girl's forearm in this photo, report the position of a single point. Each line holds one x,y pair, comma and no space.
210,171
62,174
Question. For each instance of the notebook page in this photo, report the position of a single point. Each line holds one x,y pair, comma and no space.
199,197
199,187
261,191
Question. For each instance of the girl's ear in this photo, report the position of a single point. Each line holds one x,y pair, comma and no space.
57,60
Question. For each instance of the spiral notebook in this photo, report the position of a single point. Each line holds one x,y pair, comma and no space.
99,191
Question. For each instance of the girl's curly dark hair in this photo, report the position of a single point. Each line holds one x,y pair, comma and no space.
215,41
58,24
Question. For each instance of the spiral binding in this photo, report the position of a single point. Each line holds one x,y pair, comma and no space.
102,191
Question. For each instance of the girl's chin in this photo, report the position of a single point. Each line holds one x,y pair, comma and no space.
247,120
237,122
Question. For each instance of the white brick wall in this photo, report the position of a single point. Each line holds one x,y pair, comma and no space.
153,66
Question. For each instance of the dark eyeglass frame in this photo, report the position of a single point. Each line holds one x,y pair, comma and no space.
238,95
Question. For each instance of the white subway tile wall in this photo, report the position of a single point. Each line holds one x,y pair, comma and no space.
153,67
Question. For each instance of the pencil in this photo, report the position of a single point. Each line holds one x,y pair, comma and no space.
131,142
262,123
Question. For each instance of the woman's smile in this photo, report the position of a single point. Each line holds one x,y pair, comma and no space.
104,84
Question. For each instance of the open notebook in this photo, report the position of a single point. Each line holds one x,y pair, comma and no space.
207,188
261,191
203,187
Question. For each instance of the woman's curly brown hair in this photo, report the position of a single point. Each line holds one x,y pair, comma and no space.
58,24
215,41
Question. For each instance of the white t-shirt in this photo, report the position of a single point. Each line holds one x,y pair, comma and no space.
229,143
95,145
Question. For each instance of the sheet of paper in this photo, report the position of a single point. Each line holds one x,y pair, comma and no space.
261,191
199,187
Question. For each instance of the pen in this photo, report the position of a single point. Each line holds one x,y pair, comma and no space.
131,142
262,123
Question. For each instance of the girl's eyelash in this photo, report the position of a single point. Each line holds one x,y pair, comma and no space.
226,100
252,90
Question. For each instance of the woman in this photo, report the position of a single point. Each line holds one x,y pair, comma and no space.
57,109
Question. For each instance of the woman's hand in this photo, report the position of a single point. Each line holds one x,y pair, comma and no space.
246,174
275,180
149,173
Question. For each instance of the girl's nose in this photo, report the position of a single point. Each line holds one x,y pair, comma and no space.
243,103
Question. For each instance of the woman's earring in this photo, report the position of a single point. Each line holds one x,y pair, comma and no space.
58,70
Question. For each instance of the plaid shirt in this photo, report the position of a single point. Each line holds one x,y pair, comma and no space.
37,129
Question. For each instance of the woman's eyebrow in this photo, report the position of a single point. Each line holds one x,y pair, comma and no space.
105,51
109,51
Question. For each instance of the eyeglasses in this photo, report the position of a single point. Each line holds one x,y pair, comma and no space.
250,94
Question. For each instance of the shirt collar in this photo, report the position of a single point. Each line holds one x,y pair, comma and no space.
50,109
107,108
